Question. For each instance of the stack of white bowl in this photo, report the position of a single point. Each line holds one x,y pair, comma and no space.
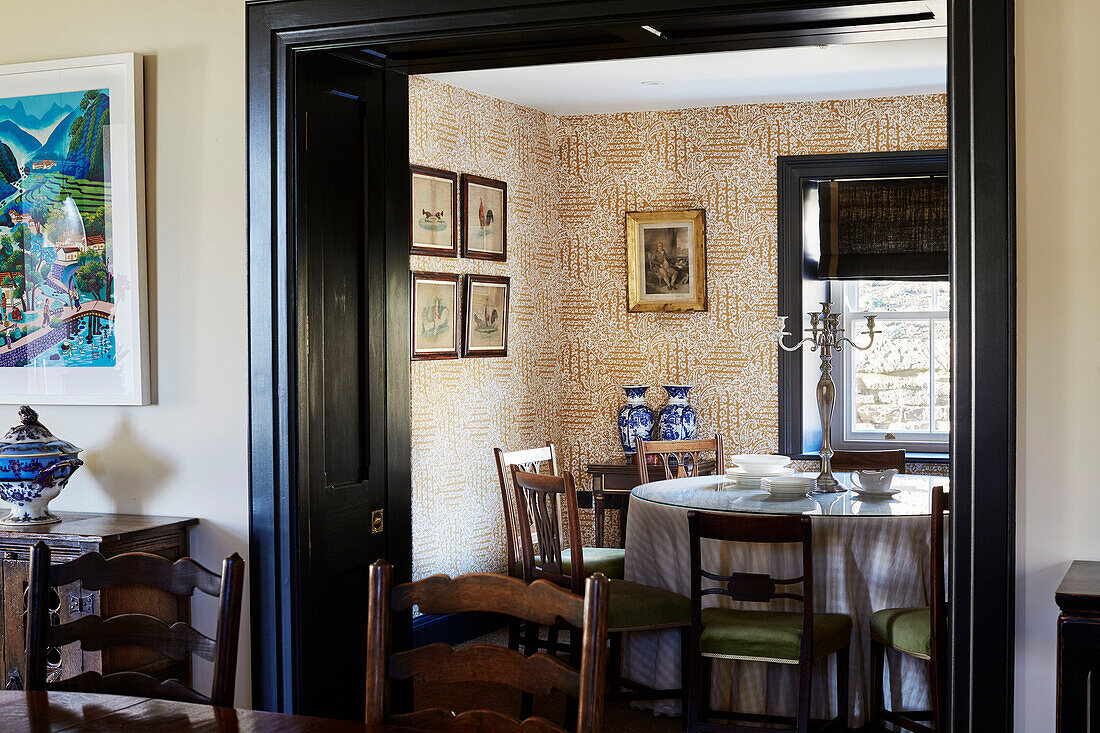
750,469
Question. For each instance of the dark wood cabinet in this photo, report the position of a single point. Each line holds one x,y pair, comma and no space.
612,482
76,534
1078,597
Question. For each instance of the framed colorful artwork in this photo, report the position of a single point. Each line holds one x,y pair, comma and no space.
666,261
73,312
485,218
486,332
434,195
435,315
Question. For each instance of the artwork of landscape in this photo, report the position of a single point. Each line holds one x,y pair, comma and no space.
57,300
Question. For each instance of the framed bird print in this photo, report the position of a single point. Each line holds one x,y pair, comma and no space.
434,195
485,220
486,316
435,320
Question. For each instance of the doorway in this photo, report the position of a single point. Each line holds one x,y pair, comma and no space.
401,38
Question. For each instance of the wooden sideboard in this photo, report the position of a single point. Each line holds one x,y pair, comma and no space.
1078,597
76,534
612,482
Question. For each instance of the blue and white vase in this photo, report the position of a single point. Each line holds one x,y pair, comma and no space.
677,419
635,418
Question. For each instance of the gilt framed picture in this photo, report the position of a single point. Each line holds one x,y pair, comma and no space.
435,315
72,233
666,261
434,195
485,218
486,309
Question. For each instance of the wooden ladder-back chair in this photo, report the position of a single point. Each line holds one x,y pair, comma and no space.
680,458
919,632
94,633
779,637
872,460
632,606
540,602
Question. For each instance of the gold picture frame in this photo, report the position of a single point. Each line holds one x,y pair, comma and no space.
666,261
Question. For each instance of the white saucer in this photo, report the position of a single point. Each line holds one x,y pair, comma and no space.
863,494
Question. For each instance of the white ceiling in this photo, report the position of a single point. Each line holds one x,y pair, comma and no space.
799,73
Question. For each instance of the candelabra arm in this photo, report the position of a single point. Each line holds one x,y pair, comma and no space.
854,345
798,345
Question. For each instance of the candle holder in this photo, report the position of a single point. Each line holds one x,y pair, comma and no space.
827,337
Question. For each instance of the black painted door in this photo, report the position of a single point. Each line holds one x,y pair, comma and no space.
341,295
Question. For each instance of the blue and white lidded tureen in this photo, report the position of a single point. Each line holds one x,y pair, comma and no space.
35,465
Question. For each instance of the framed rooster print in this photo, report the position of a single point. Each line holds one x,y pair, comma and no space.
485,218
435,315
434,195
486,316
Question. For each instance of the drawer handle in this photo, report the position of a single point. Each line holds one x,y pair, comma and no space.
9,555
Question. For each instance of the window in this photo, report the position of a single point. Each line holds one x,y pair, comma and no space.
898,392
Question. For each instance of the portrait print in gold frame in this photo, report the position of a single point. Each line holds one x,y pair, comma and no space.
666,261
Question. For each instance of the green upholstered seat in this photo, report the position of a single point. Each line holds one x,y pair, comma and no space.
634,606
908,630
769,634
606,560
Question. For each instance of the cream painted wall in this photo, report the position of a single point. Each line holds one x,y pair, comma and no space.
1058,156
186,455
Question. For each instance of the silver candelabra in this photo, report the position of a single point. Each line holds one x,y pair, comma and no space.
826,336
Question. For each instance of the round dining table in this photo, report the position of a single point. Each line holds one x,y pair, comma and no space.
868,554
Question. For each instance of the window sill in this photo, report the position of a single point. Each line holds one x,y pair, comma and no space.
909,457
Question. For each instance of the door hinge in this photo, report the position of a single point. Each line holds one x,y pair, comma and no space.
376,521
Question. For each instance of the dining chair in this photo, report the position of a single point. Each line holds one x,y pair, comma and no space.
874,460
919,632
606,560
777,637
94,633
540,602
631,606
680,458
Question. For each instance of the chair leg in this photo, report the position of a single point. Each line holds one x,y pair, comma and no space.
878,663
531,646
842,689
615,662
805,685
685,675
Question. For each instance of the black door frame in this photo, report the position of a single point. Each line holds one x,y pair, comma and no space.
982,144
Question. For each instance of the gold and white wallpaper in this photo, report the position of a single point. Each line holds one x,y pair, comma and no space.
572,342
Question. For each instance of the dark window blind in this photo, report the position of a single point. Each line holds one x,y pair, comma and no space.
884,229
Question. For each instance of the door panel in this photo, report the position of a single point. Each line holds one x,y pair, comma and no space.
340,271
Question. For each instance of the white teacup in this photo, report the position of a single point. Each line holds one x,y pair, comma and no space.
873,481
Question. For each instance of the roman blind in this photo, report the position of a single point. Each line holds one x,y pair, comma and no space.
884,229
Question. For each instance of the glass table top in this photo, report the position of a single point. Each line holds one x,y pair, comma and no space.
719,494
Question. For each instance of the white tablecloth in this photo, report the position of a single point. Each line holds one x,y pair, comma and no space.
861,564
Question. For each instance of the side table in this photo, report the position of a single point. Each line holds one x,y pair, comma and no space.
611,483
1078,597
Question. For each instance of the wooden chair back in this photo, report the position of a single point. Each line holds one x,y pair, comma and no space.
529,461
538,501
680,458
541,602
872,460
752,587
939,608
180,578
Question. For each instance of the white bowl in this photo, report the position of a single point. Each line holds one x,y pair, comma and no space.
759,463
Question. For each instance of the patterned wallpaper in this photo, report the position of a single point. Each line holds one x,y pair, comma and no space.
571,179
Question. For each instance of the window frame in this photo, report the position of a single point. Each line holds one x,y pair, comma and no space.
799,289
841,294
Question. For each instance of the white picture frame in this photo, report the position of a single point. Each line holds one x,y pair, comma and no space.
82,335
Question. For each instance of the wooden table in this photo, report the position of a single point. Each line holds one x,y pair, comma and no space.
612,481
35,712
1078,597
